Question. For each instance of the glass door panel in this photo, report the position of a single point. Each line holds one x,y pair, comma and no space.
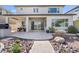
37,25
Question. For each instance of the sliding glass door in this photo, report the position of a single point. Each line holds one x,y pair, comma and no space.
37,25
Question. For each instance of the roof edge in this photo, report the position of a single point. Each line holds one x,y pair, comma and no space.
72,9
38,14
37,5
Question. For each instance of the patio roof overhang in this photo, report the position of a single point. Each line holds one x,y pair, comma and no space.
15,17
38,14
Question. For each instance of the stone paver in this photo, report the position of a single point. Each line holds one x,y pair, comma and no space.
42,47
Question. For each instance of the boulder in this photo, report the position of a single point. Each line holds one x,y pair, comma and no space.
60,33
59,39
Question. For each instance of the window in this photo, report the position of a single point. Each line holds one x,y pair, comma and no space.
76,10
53,10
21,8
66,22
60,23
32,25
58,10
35,10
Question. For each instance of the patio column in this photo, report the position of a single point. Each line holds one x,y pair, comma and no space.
27,26
48,22
6,19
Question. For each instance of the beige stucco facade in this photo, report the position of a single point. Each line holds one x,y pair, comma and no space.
43,9
37,16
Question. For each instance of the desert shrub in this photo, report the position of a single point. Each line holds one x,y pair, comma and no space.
60,33
51,29
72,29
16,48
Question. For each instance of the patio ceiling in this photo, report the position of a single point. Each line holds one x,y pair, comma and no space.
17,17
37,17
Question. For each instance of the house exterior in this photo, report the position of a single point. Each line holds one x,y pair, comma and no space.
74,11
4,31
75,17
2,18
40,17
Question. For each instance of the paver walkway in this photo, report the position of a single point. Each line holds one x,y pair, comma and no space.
42,47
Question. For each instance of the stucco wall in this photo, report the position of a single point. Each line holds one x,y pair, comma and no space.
2,20
41,10
15,24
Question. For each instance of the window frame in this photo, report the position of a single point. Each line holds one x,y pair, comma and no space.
21,8
53,11
35,10
55,20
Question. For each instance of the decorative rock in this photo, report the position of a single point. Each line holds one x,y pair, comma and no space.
75,38
60,33
1,46
59,39
77,34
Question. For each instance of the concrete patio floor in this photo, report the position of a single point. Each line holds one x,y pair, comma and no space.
42,47
33,35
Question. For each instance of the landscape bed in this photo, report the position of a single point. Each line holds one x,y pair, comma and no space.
71,45
16,45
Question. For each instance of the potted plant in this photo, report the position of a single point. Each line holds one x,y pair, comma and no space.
47,31
51,29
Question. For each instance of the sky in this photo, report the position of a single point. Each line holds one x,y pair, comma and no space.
13,9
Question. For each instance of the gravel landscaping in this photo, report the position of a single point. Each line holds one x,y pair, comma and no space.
16,45
71,44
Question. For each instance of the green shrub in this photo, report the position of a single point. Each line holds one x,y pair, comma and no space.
51,29
72,29
16,48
